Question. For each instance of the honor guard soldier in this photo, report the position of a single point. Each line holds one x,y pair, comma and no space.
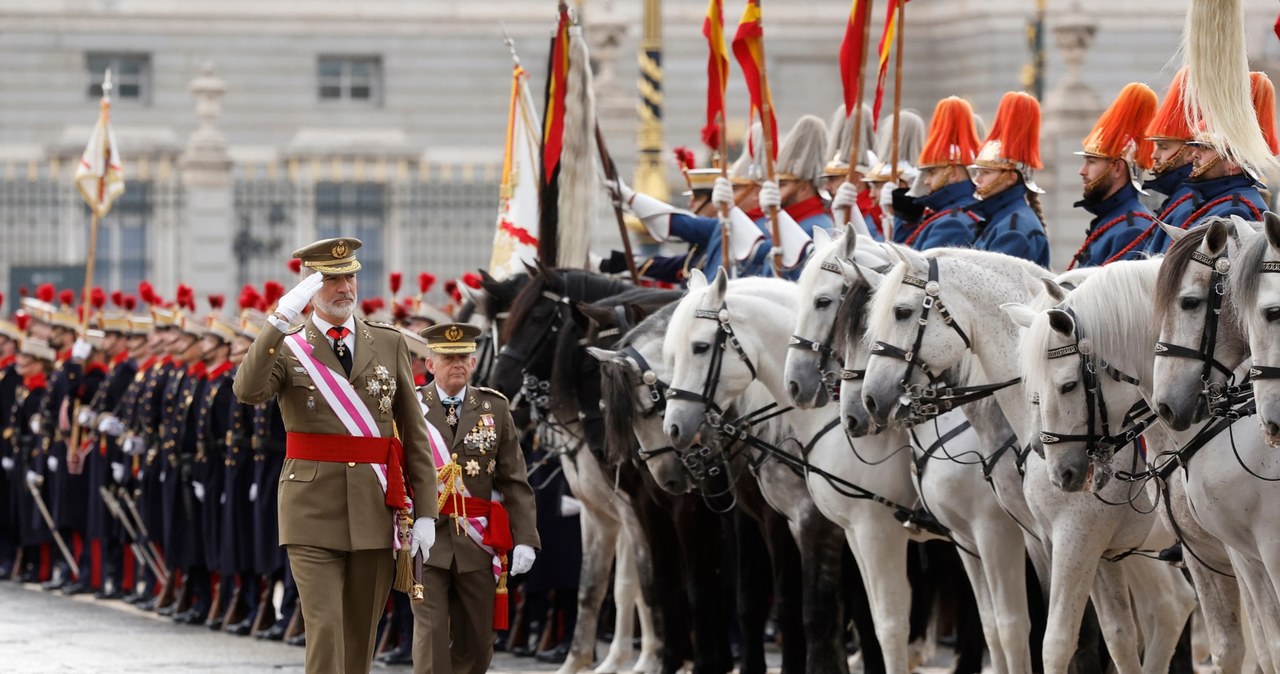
897,210
10,479
851,201
486,508
356,434
1169,133
943,191
795,193
35,361
1115,154
1009,199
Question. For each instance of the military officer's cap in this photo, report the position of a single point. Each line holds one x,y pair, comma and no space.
96,338
189,324
115,321
251,322
222,329
140,326
701,179
332,257
451,338
39,349
11,330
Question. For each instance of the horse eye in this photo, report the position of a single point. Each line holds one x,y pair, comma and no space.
1069,387
1272,314
822,303
902,313
700,348
1190,303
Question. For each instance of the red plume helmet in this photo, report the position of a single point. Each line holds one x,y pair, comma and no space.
1013,142
472,280
272,291
394,281
24,292
45,292
66,297
130,303
249,297
117,298
685,159
23,319
295,265
425,280
216,302
98,298
953,139
399,311
366,307
146,293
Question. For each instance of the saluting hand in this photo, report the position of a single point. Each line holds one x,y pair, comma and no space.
291,305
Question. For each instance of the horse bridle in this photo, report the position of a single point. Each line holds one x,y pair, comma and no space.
830,379
1100,447
928,401
533,389
724,336
644,375
1220,397
1259,372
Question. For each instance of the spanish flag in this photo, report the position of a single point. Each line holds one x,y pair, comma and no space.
748,48
886,46
853,53
717,73
100,175
557,81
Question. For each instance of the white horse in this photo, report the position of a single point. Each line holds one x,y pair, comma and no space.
956,490
1086,401
927,315
725,336
1231,476
1255,288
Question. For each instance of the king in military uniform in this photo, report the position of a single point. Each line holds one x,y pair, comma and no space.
486,506
355,435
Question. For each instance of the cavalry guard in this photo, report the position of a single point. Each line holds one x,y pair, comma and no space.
1002,173
795,193
896,208
1116,152
486,511
1169,133
942,191
851,202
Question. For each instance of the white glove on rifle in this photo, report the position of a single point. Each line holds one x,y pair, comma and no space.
423,537
111,425
722,193
117,472
133,445
36,422
198,488
253,492
291,305
522,559
846,197
81,349
770,195
33,478
622,193
7,463
85,417
886,196
52,463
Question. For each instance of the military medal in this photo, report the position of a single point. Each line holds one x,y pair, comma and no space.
452,417
473,468
381,386
492,464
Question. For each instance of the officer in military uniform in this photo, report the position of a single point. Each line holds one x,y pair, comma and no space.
1169,133
1115,153
345,389
1002,175
453,627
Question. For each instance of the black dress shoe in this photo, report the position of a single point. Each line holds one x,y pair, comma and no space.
74,588
555,655
109,594
400,655
273,633
196,615
523,652
53,584
300,640
166,611
242,628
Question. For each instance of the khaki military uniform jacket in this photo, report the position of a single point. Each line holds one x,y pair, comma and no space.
339,506
487,447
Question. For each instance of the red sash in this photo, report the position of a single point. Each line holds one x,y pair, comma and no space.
354,449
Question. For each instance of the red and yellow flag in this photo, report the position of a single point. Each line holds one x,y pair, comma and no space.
717,73
853,52
557,81
886,46
748,49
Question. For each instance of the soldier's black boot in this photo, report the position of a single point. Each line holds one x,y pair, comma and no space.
59,577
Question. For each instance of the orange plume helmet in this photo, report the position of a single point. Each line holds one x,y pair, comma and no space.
953,139
1264,104
1170,121
1120,131
1013,144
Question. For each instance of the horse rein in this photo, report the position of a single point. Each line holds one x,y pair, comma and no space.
829,378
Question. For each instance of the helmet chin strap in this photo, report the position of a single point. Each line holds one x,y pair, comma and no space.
1008,178
1201,170
1170,163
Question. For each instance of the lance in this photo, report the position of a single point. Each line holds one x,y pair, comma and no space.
855,138
139,553
766,122
897,107
57,537
611,174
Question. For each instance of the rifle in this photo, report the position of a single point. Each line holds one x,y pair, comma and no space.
53,529
142,529
140,553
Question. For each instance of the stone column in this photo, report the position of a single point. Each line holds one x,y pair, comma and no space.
206,237
1069,112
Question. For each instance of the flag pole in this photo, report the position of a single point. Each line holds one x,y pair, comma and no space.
611,173
897,87
855,138
725,260
766,122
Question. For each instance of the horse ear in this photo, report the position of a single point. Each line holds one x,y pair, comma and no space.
719,286
1021,314
486,279
697,280
603,355
478,296
1215,238
636,312
599,315
1174,233
821,237
849,245
1062,322
531,269
1271,225
1057,292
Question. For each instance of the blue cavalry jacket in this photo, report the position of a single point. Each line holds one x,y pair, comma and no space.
1012,226
1177,207
949,220
1118,220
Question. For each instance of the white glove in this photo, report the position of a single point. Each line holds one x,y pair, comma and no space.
81,349
85,417
111,425
198,488
522,559
846,197
222,500
423,537
33,478
117,472
253,492
35,424
620,191
722,193
770,195
52,463
7,463
294,301
133,445
886,195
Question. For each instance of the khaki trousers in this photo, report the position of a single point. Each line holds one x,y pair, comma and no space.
342,593
458,608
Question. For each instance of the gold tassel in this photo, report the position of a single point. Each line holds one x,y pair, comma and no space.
404,561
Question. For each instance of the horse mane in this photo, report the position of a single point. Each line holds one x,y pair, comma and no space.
574,284
849,316
617,392
1111,307
1246,276
1174,268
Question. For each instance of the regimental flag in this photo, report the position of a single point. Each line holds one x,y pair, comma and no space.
748,49
553,137
853,53
717,73
100,175
514,242
886,47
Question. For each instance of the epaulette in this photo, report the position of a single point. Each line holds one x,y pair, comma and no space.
380,324
486,389
294,328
